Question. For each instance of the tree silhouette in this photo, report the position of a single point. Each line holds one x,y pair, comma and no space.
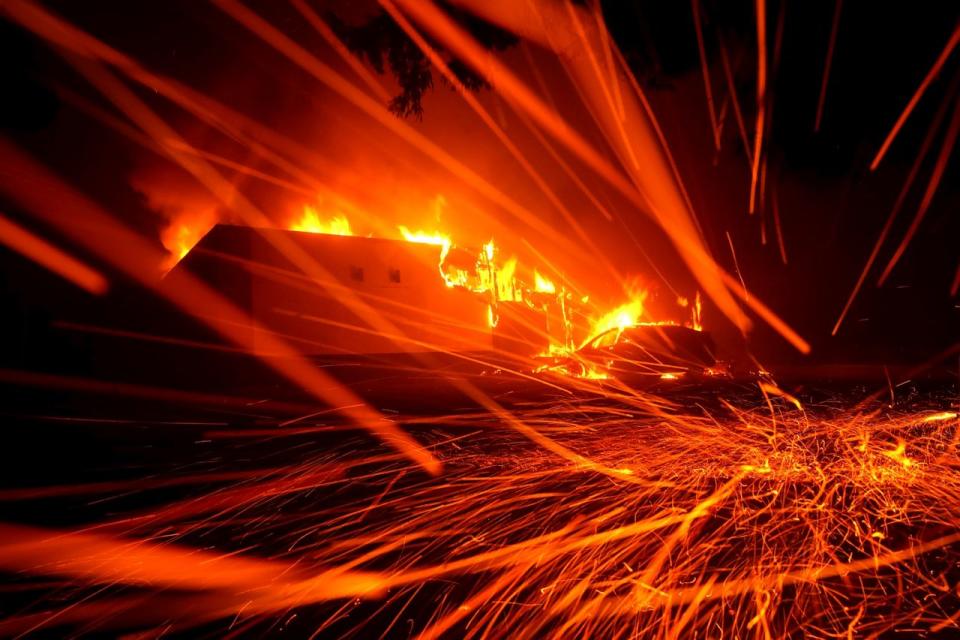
382,43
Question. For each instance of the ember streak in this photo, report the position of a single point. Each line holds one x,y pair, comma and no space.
518,356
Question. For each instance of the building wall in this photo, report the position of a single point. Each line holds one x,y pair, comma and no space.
360,296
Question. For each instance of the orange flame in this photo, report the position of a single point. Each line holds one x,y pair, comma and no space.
310,222
542,284
498,279
696,314
424,237
626,315
489,250
183,233
506,285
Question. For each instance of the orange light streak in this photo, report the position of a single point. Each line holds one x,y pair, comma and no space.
934,71
52,258
44,195
498,131
732,92
608,47
897,205
657,178
768,315
345,54
705,70
588,47
133,562
761,8
736,266
569,171
949,140
237,125
378,112
776,222
827,64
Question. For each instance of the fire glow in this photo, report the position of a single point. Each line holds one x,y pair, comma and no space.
311,223
495,281
499,282
182,234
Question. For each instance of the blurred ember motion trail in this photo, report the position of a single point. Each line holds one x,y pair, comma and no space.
298,345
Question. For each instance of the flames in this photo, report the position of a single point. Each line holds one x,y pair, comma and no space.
183,233
424,237
695,311
626,315
541,284
485,274
310,222
490,250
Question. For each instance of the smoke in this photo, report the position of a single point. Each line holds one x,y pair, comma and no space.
186,211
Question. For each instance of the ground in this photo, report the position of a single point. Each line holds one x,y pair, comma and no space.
592,514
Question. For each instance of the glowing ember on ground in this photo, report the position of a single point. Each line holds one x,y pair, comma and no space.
736,516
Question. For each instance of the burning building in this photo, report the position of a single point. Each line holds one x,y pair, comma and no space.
347,295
